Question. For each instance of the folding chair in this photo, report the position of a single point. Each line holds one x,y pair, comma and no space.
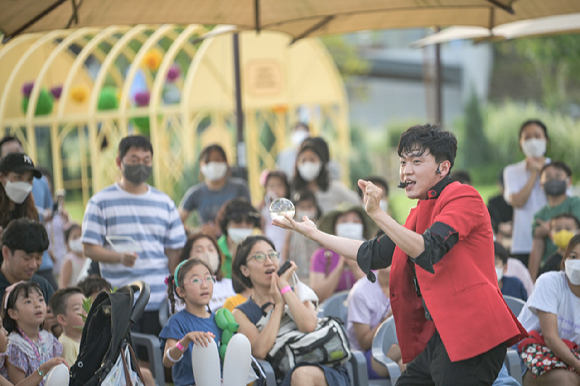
335,306
512,358
151,344
384,338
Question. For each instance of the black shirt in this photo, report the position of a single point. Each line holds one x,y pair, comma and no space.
499,211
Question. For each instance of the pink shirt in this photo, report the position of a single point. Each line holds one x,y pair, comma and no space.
325,261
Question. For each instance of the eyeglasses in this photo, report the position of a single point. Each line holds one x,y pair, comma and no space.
197,282
261,257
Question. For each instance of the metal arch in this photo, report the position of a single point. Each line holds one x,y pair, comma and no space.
151,41
44,69
80,60
31,138
168,59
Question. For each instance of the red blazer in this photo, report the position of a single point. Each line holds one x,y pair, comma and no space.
462,296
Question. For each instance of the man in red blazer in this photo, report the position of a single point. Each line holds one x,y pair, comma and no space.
453,325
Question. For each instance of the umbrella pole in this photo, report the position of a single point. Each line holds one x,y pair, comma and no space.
241,146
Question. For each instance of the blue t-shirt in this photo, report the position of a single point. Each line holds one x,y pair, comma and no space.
208,202
43,201
177,327
512,286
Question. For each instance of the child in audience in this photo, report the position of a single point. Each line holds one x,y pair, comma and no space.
93,285
562,228
298,248
552,317
191,331
511,286
74,260
555,179
29,347
67,305
369,306
276,186
35,378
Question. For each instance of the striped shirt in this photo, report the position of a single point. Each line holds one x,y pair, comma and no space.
151,219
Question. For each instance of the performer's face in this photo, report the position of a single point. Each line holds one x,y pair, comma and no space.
419,172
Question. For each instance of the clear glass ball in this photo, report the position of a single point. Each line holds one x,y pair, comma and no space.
280,207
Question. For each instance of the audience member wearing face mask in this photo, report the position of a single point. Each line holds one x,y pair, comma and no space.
203,246
276,186
552,317
563,227
330,272
312,174
286,159
511,286
217,187
555,179
300,249
75,265
17,172
522,189
237,219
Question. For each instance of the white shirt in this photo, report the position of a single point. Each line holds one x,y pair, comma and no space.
515,177
553,295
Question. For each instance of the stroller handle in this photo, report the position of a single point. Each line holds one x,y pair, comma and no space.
142,300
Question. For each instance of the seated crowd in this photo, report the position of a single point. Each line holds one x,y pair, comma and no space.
231,262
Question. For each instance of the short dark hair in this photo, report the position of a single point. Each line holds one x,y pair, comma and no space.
185,252
136,141
377,181
71,228
567,215
500,252
205,153
237,209
25,287
441,143
281,175
558,165
242,255
571,245
461,176
6,139
26,235
59,300
536,122
94,284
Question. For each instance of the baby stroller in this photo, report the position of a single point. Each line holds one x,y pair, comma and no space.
106,355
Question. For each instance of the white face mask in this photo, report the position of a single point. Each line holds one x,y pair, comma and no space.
573,271
311,214
534,147
350,230
76,245
384,204
239,234
211,259
17,191
309,170
214,171
298,137
499,273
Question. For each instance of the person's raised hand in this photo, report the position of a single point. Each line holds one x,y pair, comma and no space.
535,165
542,230
372,197
305,228
275,291
128,258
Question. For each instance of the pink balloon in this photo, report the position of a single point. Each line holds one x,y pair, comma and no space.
27,88
56,91
173,73
142,98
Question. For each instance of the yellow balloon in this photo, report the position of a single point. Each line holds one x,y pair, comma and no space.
79,93
152,59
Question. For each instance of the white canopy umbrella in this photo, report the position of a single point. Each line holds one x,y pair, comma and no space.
541,26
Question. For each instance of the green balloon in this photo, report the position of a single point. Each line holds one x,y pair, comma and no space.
43,105
108,99
142,124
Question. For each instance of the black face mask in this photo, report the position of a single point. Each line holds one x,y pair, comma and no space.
137,174
555,187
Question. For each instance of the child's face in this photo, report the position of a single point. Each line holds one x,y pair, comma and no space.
75,234
563,223
306,208
3,337
204,250
73,309
499,263
30,310
197,286
276,185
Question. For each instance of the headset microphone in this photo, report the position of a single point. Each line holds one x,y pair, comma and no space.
401,185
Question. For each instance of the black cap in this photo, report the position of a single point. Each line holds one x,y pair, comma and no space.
19,163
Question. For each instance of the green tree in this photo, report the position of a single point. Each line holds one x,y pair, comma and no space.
475,148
